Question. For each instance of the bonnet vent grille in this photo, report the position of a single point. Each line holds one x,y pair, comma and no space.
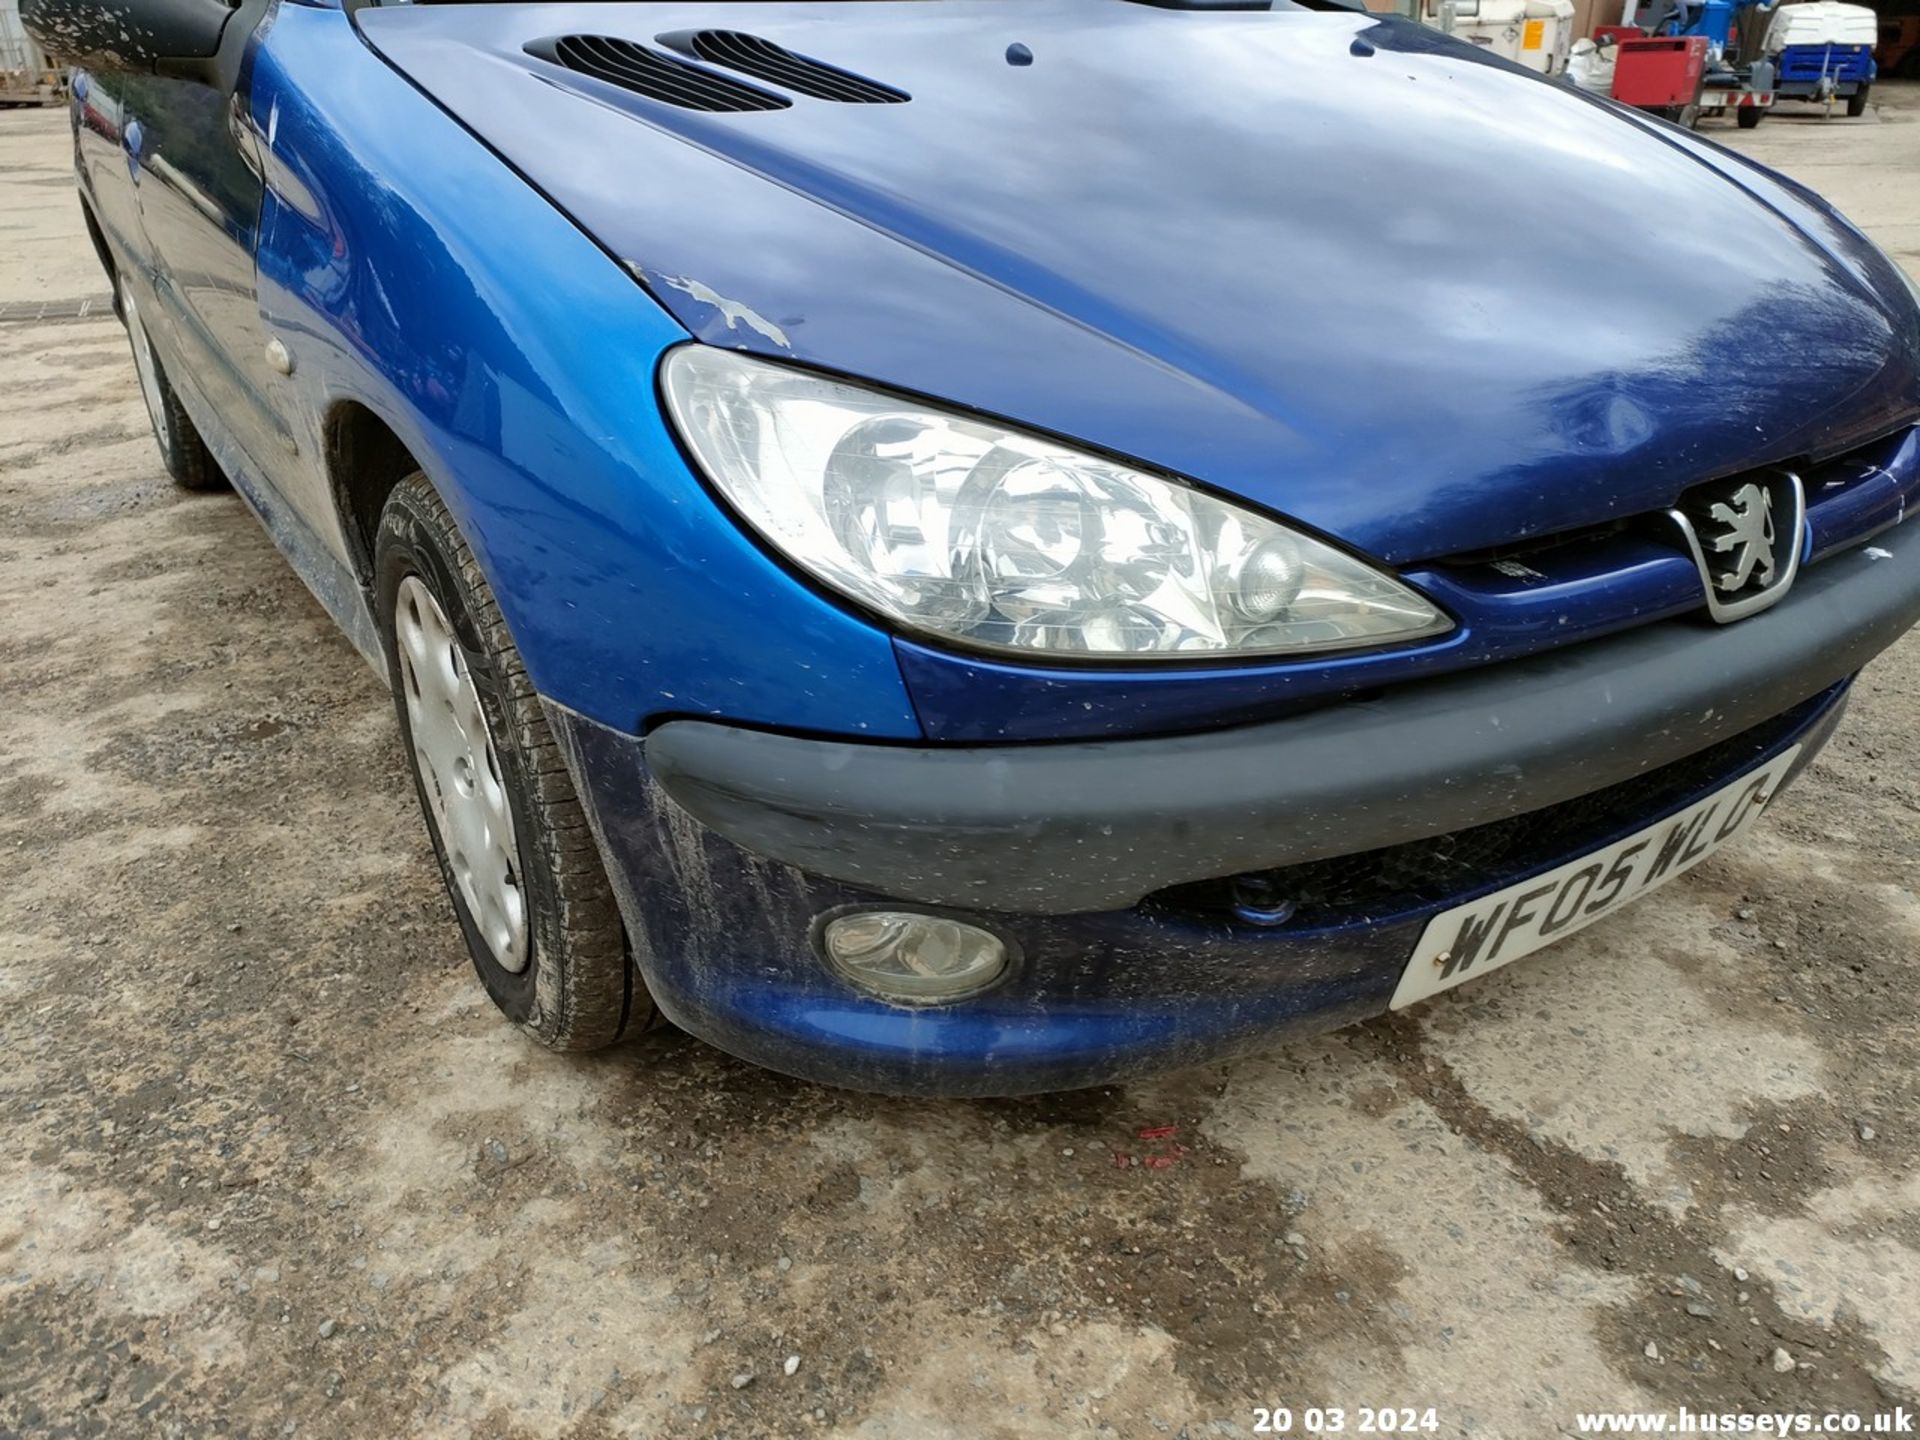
659,77
778,65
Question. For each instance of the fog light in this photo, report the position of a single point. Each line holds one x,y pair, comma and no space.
1259,900
904,955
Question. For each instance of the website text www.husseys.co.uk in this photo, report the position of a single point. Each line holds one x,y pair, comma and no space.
1898,1421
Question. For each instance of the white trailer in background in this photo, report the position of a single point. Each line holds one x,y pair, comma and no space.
26,76
1824,52
1535,33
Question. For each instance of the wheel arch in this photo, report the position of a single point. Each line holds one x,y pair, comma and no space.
365,459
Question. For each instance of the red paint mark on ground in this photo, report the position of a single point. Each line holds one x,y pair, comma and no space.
1164,1159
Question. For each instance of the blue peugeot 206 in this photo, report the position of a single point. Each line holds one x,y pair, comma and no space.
980,546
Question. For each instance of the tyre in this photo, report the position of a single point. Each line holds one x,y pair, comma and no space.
1857,102
520,863
1750,116
182,450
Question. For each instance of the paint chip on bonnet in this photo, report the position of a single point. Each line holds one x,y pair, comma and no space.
731,311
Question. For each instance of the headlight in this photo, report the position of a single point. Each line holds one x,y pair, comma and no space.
966,529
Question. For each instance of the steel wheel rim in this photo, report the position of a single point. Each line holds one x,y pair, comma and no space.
148,369
459,769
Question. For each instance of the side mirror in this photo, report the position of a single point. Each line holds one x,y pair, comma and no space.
153,37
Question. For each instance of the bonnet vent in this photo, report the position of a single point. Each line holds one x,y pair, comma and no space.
659,77
778,65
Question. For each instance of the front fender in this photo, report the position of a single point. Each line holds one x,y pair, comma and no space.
406,267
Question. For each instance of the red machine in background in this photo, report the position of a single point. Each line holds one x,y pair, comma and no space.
1683,76
1663,73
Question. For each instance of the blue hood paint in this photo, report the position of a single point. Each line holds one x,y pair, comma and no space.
1339,265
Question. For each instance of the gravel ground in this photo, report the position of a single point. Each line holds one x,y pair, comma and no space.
271,1165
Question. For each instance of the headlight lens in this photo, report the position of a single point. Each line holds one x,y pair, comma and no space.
995,538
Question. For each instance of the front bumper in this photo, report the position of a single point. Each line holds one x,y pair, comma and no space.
1049,829
1103,864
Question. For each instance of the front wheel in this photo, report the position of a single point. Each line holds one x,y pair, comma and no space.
1857,102
519,861
1749,116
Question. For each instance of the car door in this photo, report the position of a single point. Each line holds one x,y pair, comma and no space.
200,196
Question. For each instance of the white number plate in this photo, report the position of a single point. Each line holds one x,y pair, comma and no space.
1498,929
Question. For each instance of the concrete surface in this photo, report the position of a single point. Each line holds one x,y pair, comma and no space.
271,1165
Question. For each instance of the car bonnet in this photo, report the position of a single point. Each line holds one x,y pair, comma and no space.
1412,296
